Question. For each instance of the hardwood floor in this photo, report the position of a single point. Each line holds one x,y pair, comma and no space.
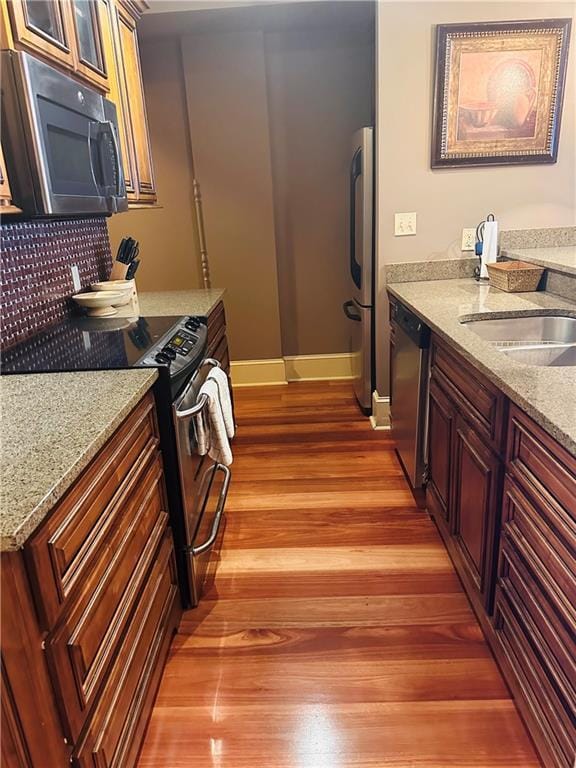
336,633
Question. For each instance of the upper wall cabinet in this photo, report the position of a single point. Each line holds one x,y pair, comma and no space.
94,41
131,106
67,33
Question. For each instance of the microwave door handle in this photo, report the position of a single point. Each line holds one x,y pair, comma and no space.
120,181
96,185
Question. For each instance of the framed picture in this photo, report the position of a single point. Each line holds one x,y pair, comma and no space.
498,92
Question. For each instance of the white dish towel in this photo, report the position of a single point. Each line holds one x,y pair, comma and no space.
211,432
221,379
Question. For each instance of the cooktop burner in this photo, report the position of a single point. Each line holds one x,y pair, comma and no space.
84,344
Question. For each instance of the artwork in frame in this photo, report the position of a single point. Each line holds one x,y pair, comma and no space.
498,92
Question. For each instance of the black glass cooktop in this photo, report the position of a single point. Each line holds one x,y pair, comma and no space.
86,344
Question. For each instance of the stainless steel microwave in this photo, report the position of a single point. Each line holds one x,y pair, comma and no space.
60,142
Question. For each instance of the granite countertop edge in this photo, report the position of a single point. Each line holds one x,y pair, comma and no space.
32,520
566,439
192,301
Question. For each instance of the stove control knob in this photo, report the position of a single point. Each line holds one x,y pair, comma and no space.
161,357
192,325
169,352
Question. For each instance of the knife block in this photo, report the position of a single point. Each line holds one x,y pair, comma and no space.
132,308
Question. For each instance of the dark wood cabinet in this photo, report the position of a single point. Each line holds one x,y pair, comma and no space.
102,571
503,494
441,418
535,607
475,506
217,341
466,432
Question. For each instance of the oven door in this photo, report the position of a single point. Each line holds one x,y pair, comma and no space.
204,486
72,143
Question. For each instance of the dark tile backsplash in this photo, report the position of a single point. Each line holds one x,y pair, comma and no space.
36,276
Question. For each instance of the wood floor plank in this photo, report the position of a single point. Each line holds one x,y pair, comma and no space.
335,633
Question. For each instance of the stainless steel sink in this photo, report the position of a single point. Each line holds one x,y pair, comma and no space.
547,356
541,340
526,331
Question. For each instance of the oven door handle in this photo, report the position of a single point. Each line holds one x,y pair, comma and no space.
201,548
199,405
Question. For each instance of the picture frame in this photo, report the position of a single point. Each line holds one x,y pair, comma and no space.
498,92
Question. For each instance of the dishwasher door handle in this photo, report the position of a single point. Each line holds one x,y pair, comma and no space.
347,306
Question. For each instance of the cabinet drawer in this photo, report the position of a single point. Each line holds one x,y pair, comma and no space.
73,541
545,471
556,636
81,648
216,324
520,639
108,736
477,399
552,563
222,355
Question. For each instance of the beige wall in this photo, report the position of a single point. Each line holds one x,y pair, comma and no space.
449,199
167,235
228,111
320,89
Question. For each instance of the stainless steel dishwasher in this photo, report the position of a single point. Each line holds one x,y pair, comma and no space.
409,364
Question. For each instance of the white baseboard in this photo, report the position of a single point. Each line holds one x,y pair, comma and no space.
318,367
380,418
250,373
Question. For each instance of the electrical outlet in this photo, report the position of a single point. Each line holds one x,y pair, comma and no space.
468,239
76,278
404,224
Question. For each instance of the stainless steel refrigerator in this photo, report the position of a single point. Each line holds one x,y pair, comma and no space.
360,308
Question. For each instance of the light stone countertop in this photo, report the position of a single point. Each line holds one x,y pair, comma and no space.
53,424
199,301
561,258
548,394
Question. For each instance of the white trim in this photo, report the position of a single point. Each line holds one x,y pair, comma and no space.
250,373
380,418
318,367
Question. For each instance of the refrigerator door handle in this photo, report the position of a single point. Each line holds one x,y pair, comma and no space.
355,173
347,307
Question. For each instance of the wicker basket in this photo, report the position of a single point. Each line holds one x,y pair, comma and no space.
514,276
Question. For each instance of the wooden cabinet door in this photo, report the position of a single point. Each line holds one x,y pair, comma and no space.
475,507
133,106
117,91
44,27
440,450
6,205
89,19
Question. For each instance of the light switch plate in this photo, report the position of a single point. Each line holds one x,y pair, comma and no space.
468,239
404,224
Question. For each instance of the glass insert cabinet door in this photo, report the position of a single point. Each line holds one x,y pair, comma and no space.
43,27
88,33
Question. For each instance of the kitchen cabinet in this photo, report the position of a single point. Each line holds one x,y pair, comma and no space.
535,613
96,42
67,33
217,341
45,28
503,494
465,443
131,105
6,205
441,418
100,577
